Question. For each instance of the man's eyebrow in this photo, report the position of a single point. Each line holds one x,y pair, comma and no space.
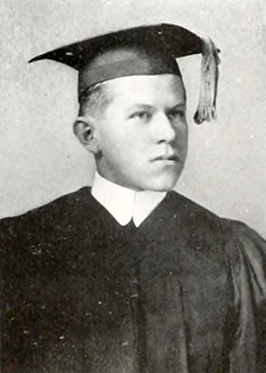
180,103
140,105
144,106
178,106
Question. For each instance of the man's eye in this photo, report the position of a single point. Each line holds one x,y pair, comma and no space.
176,114
142,115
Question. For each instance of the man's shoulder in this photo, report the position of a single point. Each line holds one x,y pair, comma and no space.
58,211
199,218
190,210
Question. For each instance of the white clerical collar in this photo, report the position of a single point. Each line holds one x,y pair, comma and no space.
123,203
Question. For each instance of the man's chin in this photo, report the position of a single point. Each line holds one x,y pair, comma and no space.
164,184
157,183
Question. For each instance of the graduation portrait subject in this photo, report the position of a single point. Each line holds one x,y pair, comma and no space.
128,275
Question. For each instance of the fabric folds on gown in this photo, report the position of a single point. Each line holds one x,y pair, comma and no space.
184,292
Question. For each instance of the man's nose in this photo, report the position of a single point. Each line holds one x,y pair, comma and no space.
163,129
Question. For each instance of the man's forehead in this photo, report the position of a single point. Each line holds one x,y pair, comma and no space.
153,90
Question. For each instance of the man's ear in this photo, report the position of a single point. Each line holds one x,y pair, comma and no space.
84,130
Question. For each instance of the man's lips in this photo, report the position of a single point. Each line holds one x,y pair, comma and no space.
166,157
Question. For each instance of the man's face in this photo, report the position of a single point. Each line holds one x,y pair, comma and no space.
142,134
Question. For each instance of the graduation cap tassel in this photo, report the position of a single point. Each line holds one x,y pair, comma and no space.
209,81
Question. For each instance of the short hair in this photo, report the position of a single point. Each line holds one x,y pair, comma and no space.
94,99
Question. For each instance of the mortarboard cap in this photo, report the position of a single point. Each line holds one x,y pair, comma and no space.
144,50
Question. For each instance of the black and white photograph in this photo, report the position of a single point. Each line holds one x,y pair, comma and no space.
133,186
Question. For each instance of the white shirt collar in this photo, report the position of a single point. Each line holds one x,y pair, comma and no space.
125,204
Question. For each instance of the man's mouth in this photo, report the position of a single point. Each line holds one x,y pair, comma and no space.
167,157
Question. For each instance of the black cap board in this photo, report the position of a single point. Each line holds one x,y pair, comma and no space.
143,50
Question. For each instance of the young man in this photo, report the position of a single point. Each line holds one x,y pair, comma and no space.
130,276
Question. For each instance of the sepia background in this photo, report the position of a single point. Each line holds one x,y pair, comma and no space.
40,157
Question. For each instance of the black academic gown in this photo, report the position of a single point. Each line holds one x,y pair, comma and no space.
183,293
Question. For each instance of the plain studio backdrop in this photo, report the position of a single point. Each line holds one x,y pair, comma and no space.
40,157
